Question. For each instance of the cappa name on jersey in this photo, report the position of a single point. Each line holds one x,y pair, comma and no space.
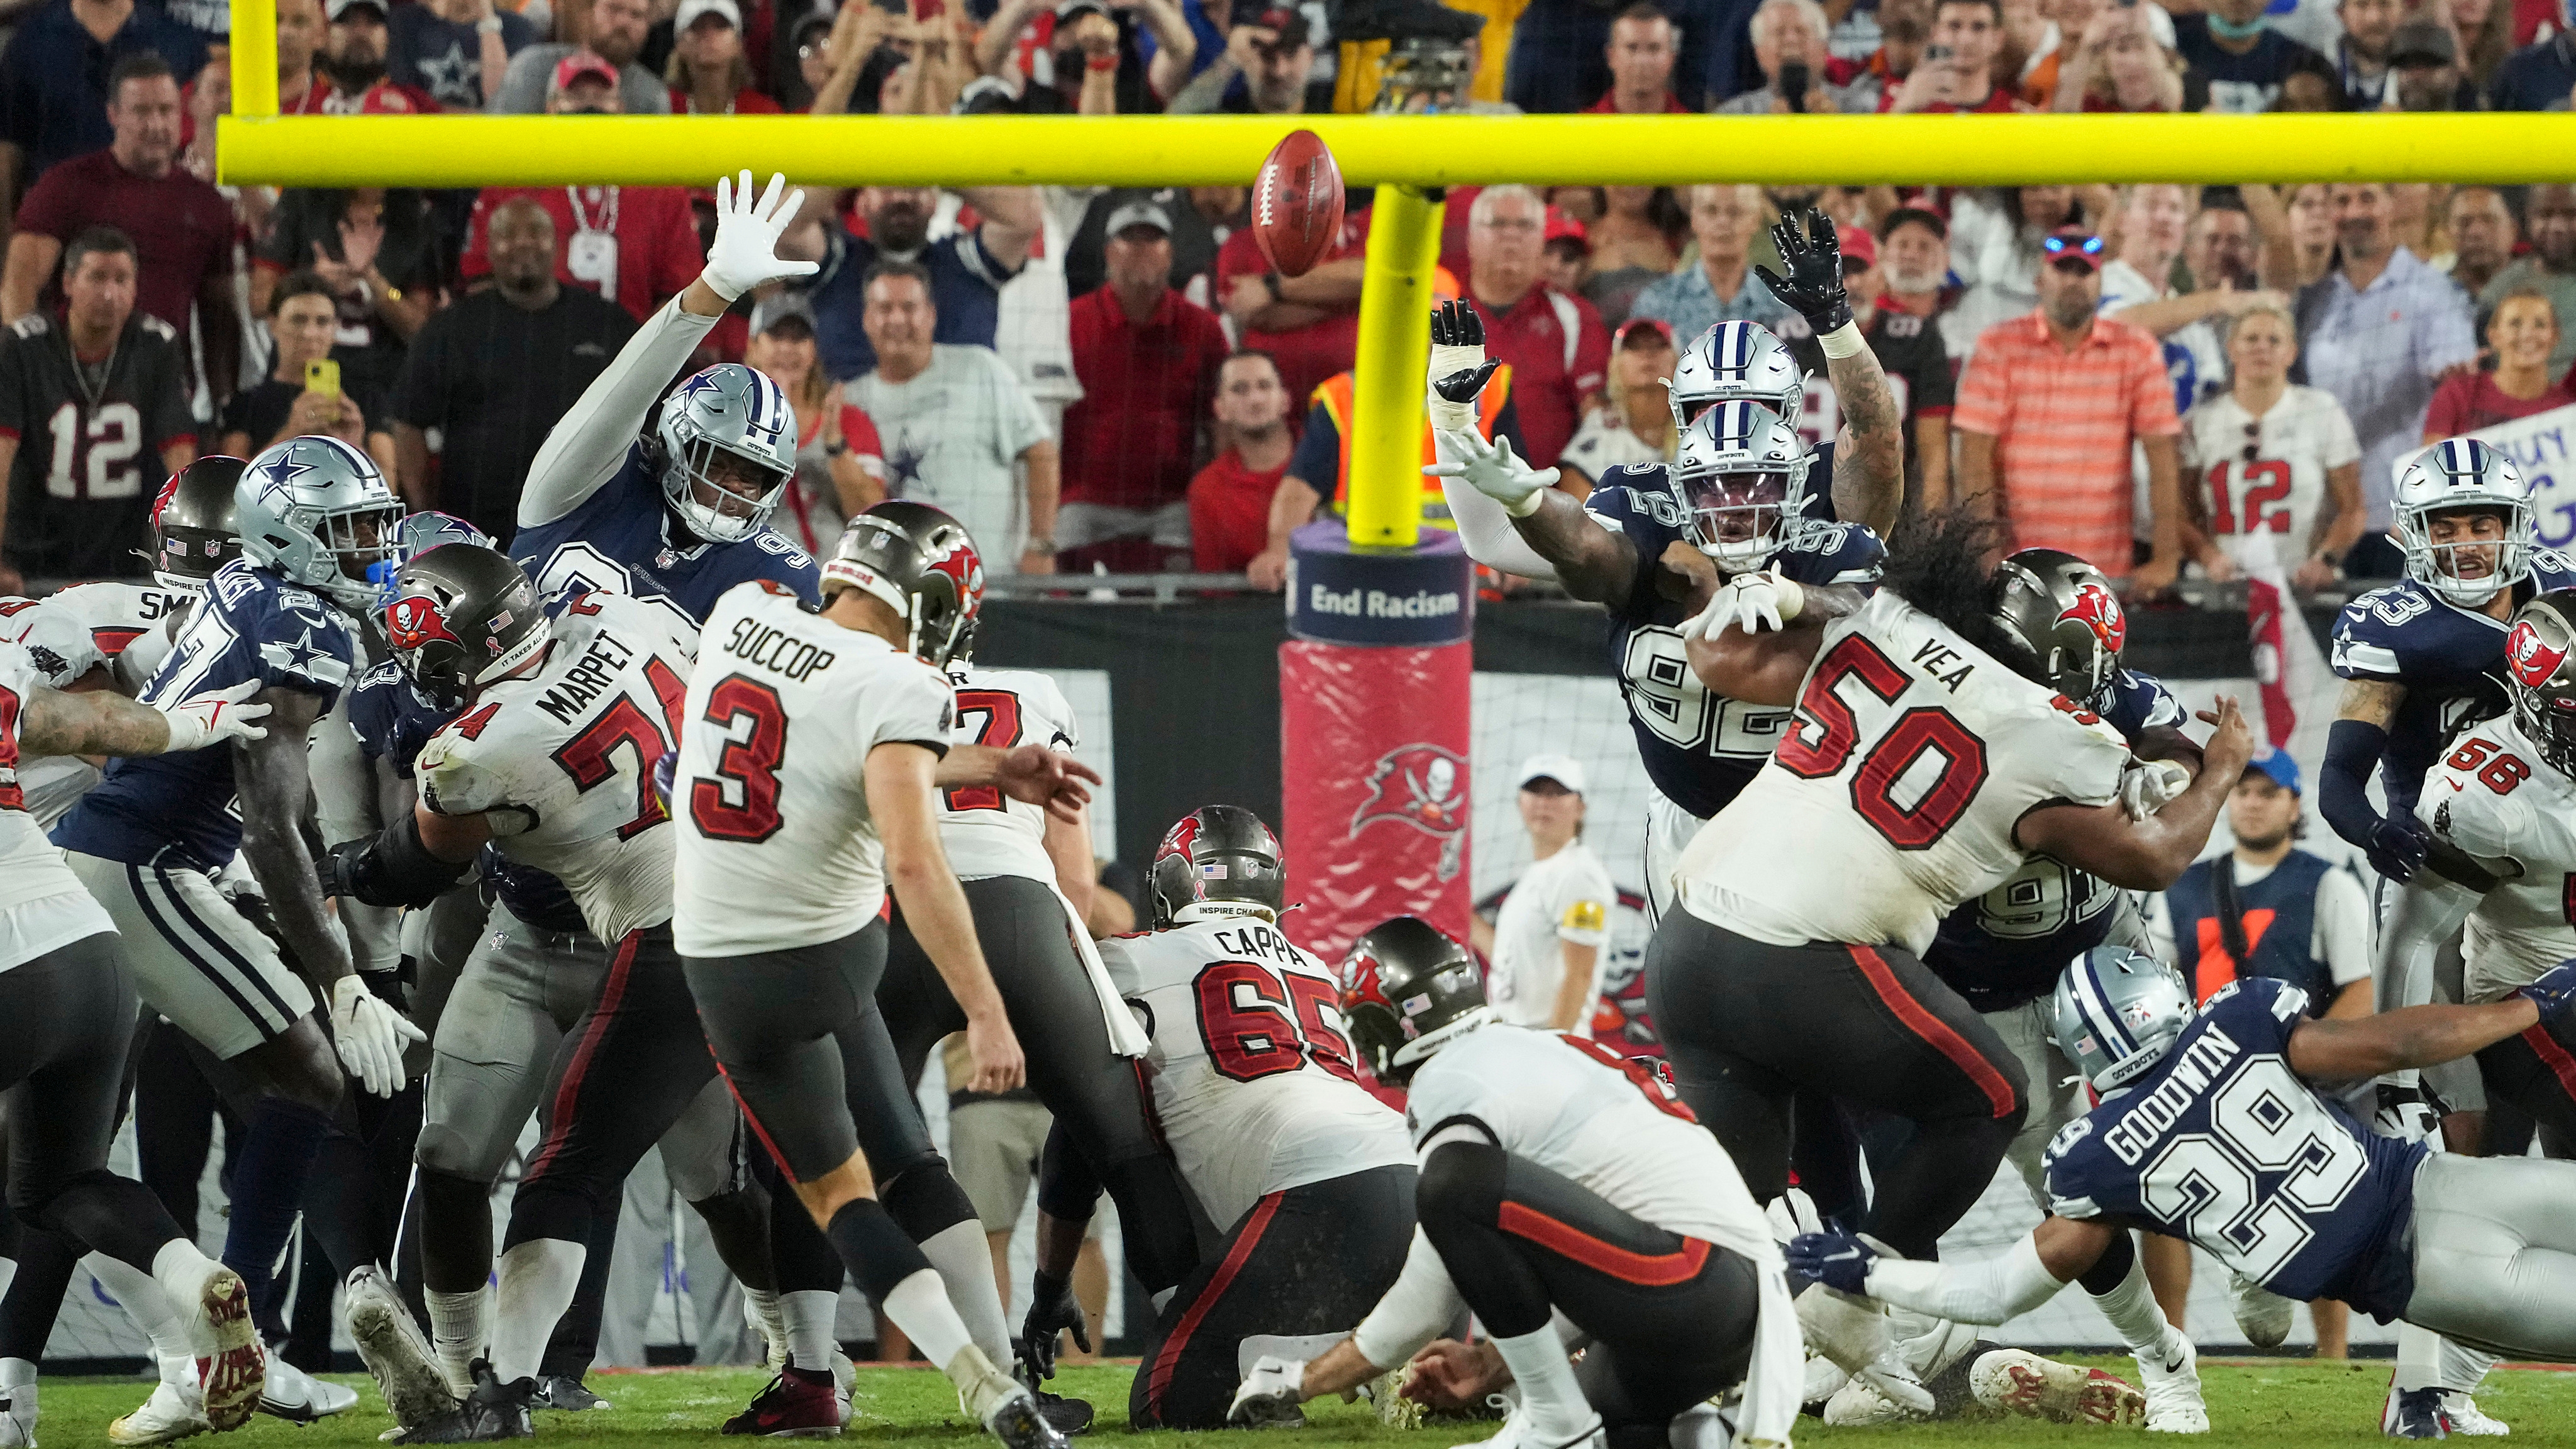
1255,940
774,649
589,678
2136,1132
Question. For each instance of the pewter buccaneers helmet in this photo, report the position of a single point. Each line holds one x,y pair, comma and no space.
2064,623
317,512
192,523
2117,1013
1217,855
727,410
460,616
2462,473
2537,657
1741,475
919,562
1407,990
1737,361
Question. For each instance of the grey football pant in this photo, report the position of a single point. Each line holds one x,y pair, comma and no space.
2495,1254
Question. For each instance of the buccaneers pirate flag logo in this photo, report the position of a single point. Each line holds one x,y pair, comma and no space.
1423,786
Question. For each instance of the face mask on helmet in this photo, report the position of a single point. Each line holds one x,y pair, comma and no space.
1735,518
2463,521
726,495
2117,1013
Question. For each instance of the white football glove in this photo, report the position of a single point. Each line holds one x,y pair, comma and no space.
1751,602
214,717
745,253
371,1036
2148,786
1283,1379
2404,1110
1493,470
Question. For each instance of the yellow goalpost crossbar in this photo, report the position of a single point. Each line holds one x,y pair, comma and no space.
1410,155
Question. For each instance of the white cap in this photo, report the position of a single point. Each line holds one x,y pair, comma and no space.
1565,770
690,10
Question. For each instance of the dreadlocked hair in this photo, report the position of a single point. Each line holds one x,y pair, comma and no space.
1941,562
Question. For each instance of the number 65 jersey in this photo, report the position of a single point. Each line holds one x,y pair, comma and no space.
2223,1145
1896,788
1254,1085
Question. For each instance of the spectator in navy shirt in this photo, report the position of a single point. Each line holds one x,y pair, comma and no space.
2247,62
53,78
2536,77
457,50
967,269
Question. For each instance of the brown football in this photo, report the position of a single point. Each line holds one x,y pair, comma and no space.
1297,204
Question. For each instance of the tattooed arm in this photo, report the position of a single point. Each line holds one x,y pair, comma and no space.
91,722
1869,454
1593,563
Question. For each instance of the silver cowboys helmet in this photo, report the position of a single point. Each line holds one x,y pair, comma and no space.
1741,475
317,512
726,422
2117,1013
1737,362
2463,474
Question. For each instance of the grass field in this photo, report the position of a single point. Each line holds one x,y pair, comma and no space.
2286,1404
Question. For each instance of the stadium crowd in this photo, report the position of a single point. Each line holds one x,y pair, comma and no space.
1116,379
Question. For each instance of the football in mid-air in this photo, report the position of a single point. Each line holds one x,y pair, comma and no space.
1297,204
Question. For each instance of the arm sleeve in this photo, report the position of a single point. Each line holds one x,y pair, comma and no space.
2353,748
1416,1310
2343,928
1485,528
1987,1290
860,432
589,444
1023,427
921,709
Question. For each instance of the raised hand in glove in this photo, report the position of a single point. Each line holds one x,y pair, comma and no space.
1814,286
745,253
214,717
2398,847
1491,469
371,1036
2555,991
1459,366
1052,1308
1838,1260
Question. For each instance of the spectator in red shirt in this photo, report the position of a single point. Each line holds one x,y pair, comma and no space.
1309,324
635,245
182,227
1230,497
1964,81
708,74
1555,344
1147,359
2522,332
353,61
1641,50
299,40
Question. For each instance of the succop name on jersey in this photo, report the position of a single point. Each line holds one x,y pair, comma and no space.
774,649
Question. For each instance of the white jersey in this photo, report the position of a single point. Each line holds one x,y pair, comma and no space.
1564,898
560,763
2281,492
42,904
777,846
1254,1082
984,831
1894,794
121,627
2494,797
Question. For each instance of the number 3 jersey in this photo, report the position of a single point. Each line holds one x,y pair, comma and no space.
2493,797
1896,788
560,762
1254,1086
2450,659
2222,1144
984,831
1698,748
777,846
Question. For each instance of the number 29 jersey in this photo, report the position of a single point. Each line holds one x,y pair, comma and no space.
2223,1145
984,831
1896,788
1252,1072
1699,748
2493,797
560,763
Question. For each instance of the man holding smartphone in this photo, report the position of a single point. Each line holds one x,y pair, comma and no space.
1789,46
1957,73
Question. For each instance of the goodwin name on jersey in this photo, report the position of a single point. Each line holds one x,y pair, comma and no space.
1699,748
2494,798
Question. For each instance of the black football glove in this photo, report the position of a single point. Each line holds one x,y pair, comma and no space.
1814,286
2398,847
1053,1307
340,869
1456,324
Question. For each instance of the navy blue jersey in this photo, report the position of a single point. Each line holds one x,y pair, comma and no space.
2223,1144
2450,659
2009,945
251,624
617,541
1699,748
391,718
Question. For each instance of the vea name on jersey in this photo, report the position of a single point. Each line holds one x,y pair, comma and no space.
618,541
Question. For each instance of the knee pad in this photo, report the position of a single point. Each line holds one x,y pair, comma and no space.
1462,1183
925,1201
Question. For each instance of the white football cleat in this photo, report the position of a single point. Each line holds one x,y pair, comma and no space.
18,1415
2261,1314
1825,1378
1859,1404
299,1398
1517,1433
2015,1381
2465,1417
175,1411
406,1368
2171,1378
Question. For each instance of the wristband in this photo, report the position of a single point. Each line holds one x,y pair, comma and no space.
835,447
1270,280
1100,63
1843,341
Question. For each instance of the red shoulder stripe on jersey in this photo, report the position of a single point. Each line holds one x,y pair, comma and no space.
1935,1032
568,1092
2561,1064
1647,1270
1255,1224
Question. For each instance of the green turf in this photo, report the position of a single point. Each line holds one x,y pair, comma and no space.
2277,1405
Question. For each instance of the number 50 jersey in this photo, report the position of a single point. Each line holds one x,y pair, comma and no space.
1895,791
2222,1144
1253,1078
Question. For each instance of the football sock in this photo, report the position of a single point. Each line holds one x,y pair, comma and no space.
457,1329
810,1317
150,1308
965,1263
538,1278
1552,1400
268,1179
2419,1357
919,1305
2131,1307
2463,1369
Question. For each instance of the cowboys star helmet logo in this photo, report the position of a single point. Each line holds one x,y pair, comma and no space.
2098,609
1424,786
